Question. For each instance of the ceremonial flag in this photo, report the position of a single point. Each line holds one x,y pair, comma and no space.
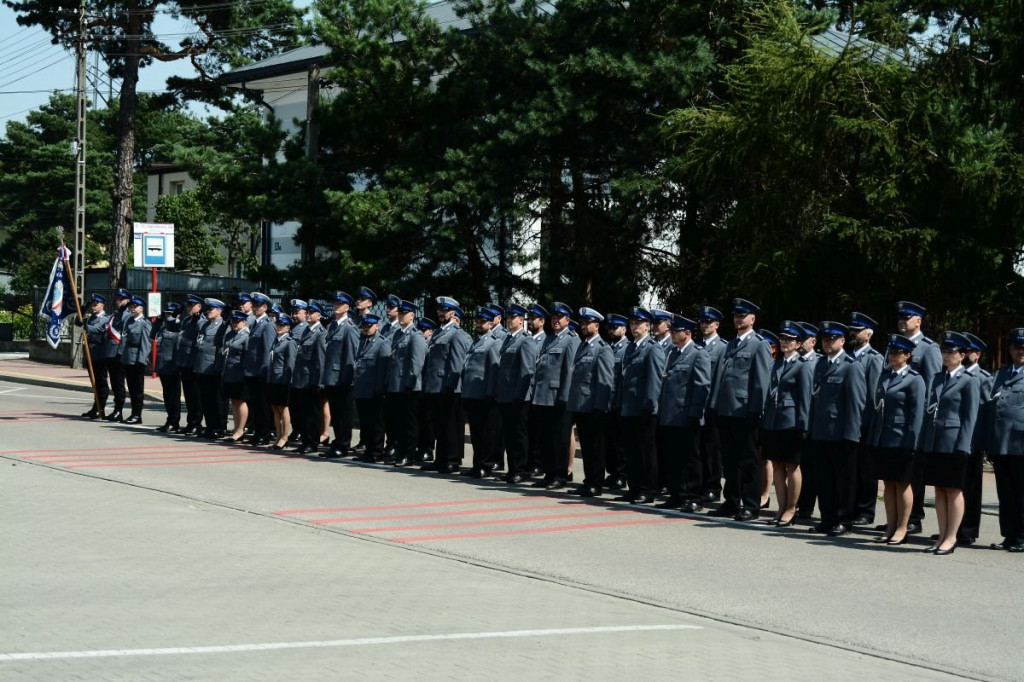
56,305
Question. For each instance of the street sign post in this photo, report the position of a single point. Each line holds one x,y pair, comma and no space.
154,248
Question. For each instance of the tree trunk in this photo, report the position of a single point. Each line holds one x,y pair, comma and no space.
124,165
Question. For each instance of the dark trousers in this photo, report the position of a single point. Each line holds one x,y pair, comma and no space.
866,496
497,438
590,426
135,377
741,464
259,408
171,386
642,464
614,446
193,401
482,416
343,407
371,424
517,439
100,370
683,467
305,414
837,480
1009,470
449,424
970,527
809,490
426,440
711,457
534,459
211,392
917,486
554,426
404,419
117,382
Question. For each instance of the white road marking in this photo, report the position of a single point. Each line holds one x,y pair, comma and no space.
358,641
11,390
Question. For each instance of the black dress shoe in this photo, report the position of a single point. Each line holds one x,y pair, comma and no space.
642,498
473,472
663,490
164,428
724,511
862,521
839,530
673,502
745,515
557,484
819,528
92,414
402,461
712,496
305,449
115,416
173,428
691,506
515,479
536,471
588,491
542,483
191,428
134,419
914,527
368,459
615,482
425,456
1016,549
359,449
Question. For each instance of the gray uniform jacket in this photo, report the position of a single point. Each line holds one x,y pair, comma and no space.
235,344
135,343
741,384
838,397
927,360
405,368
1006,415
207,358
95,328
789,395
593,378
446,354
281,363
714,348
371,371
298,331
618,351
117,320
516,364
871,360
643,367
262,337
480,369
499,332
685,386
985,381
897,411
388,328
341,342
310,351
184,352
553,377
811,358
950,414
166,341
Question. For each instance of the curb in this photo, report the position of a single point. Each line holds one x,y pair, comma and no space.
67,385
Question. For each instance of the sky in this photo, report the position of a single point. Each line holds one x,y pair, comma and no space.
31,68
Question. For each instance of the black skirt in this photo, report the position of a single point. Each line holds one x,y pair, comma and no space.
236,391
893,464
945,469
277,394
782,446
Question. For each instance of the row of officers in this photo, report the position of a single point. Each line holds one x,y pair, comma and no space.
661,404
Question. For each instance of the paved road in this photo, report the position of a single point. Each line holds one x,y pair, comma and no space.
162,553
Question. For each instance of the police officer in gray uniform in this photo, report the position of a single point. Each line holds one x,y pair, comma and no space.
262,337
970,527
837,408
368,385
405,382
442,374
808,462
498,329
235,343
95,328
1005,444
136,348
309,362
298,312
391,312
615,446
516,365
862,328
593,382
341,342
208,368
479,376
710,319
685,389
536,326
115,368
738,396
552,382
927,361
184,354
167,368
643,368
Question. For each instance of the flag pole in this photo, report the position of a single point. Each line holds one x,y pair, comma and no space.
88,354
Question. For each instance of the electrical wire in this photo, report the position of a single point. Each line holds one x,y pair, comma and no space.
41,68
25,64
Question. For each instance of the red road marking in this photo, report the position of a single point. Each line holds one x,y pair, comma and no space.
493,522
452,503
131,448
533,531
173,464
464,512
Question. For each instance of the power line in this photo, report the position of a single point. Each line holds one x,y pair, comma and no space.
27,62
41,68
28,33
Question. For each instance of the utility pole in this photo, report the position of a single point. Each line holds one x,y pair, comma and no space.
78,252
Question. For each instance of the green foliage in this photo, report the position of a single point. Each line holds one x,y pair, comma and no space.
194,249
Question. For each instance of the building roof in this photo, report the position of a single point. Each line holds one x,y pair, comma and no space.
833,43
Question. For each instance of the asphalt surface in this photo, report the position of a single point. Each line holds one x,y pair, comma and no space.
150,547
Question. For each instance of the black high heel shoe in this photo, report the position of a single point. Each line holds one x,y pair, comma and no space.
882,539
901,541
944,552
930,550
